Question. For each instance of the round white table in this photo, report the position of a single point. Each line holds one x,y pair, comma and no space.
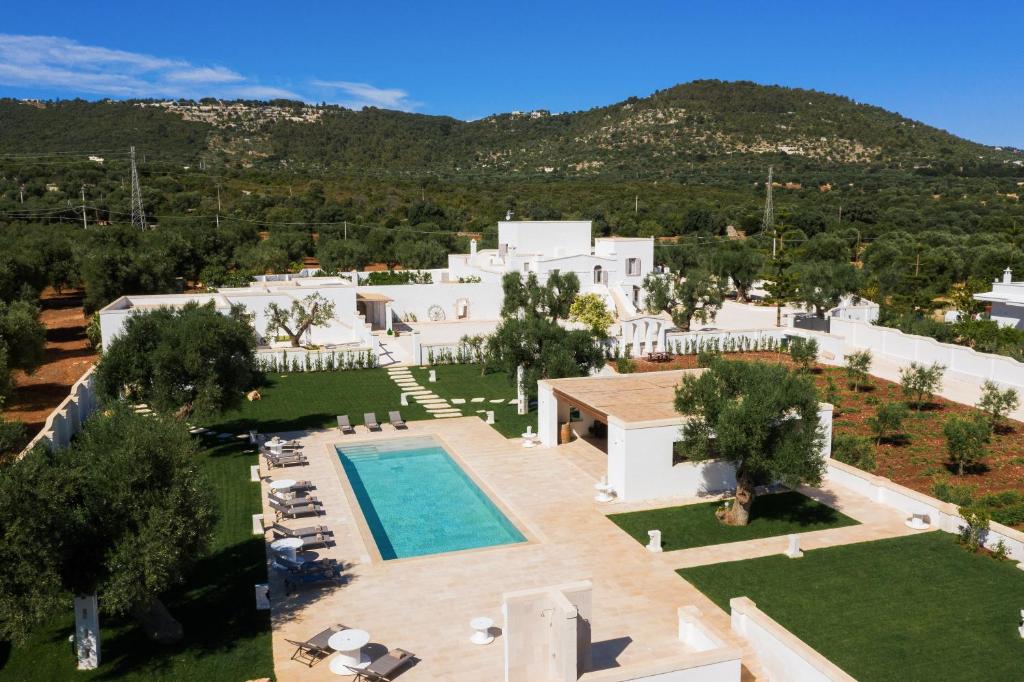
287,547
282,486
349,645
482,630
275,445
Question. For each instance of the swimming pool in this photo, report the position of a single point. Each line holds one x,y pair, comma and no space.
417,500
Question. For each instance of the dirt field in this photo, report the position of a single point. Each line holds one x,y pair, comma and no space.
916,459
68,356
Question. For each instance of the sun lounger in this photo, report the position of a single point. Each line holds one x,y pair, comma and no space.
370,419
296,501
309,572
294,511
316,647
344,425
302,487
395,417
285,532
385,668
286,460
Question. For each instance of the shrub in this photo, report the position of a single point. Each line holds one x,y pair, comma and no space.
706,357
803,352
997,403
832,393
94,333
966,440
854,450
13,436
1000,552
624,366
887,420
973,533
920,382
857,367
955,493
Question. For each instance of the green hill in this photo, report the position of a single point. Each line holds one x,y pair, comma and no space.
707,125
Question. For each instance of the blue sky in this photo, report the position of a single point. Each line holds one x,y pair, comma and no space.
951,64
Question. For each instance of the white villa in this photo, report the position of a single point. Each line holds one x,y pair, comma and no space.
442,312
1007,299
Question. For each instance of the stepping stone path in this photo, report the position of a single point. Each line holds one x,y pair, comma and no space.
434,404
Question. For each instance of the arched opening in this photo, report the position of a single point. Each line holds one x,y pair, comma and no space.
598,274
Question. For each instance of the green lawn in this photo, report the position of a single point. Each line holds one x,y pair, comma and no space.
465,381
913,608
306,400
225,637
695,525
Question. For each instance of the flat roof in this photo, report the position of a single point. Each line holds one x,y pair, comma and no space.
634,400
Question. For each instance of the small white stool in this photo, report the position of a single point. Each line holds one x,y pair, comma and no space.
482,630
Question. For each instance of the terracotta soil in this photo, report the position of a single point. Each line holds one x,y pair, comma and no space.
921,456
67,357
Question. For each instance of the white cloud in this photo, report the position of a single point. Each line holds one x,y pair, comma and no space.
55,63
359,95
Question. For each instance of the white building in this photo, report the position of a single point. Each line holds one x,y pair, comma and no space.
632,418
348,328
610,266
1007,299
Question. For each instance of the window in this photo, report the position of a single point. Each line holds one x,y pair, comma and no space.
633,267
597,275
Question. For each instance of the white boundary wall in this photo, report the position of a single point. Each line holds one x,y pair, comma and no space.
67,419
907,348
941,515
783,655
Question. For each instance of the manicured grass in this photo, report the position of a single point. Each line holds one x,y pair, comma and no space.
913,608
695,525
293,402
225,637
466,381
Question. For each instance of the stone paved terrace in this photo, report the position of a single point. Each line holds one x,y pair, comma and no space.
424,604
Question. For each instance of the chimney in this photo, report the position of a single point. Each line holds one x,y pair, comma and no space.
1007,275
472,248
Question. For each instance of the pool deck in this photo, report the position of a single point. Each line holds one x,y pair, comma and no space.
424,604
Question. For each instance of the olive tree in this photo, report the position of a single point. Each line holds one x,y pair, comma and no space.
530,337
803,352
761,418
966,441
123,513
920,382
22,340
997,403
696,296
857,366
312,311
192,359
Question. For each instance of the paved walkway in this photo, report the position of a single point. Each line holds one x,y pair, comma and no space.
435,405
425,604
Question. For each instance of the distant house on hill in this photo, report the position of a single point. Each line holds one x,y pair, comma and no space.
1007,299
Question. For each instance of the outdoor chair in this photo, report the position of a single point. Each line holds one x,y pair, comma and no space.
285,532
295,511
370,419
302,487
316,647
344,425
385,668
395,417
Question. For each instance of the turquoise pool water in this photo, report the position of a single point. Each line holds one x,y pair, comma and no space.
417,500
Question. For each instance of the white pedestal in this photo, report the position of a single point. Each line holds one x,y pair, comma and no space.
262,591
254,473
87,632
481,630
793,552
917,522
490,416
655,541
433,376
404,400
